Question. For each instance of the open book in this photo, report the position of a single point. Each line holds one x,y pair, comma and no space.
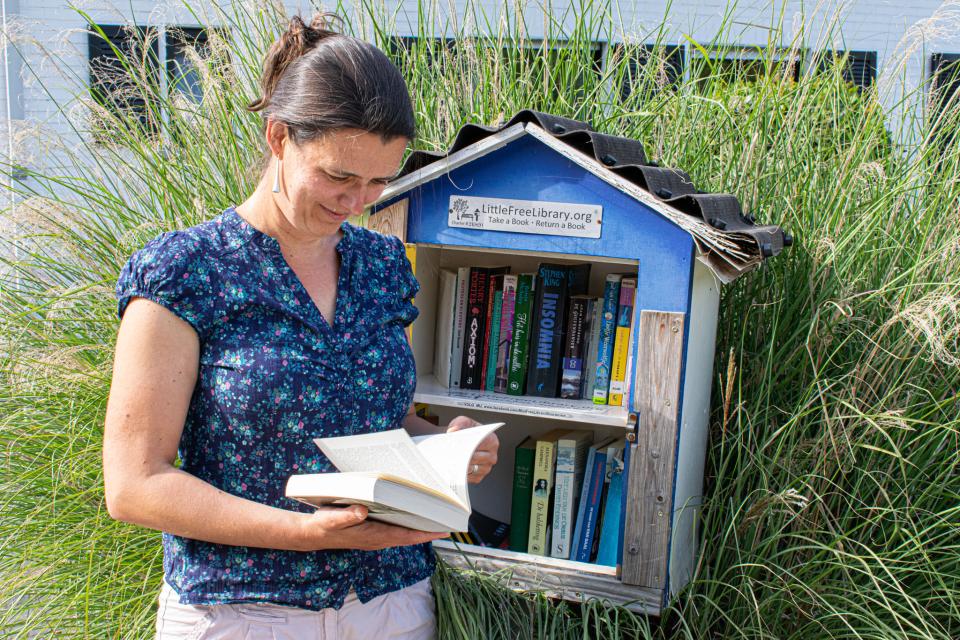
420,483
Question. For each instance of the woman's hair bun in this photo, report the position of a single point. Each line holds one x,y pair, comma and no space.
298,39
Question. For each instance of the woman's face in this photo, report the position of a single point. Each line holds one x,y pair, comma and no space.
327,180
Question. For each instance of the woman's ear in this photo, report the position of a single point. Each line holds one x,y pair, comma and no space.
276,134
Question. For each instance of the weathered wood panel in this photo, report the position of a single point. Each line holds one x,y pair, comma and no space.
392,220
557,578
659,359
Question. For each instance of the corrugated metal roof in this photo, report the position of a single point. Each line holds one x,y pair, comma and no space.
731,244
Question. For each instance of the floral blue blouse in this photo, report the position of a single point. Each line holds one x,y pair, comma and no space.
273,376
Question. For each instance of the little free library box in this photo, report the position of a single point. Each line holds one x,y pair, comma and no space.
570,289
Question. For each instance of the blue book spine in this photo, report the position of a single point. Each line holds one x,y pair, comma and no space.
589,507
608,327
610,529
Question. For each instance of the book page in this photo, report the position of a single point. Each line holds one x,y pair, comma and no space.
384,453
450,454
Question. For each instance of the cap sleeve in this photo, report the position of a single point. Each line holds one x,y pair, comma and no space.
170,270
406,284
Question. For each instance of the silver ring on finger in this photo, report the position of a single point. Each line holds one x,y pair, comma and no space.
474,469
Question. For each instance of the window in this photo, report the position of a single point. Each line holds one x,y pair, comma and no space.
945,81
668,57
123,69
748,64
182,76
859,68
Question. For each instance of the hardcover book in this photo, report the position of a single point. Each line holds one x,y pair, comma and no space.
608,327
571,381
507,310
420,483
517,374
571,457
618,370
541,501
522,492
475,327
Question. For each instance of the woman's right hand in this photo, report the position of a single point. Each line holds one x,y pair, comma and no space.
349,528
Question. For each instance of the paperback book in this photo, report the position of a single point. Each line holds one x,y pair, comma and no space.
420,483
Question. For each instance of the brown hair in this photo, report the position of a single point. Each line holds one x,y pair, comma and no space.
316,80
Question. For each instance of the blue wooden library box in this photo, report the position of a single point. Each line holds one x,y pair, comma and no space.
544,189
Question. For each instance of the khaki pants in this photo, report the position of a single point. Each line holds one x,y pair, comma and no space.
408,614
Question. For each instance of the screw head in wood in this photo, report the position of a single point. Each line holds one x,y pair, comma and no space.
654,454
634,549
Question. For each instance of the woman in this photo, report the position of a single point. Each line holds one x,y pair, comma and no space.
243,338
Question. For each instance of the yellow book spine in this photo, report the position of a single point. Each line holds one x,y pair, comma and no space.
618,371
411,250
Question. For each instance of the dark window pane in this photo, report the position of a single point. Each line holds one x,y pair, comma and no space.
182,75
123,70
669,59
858,67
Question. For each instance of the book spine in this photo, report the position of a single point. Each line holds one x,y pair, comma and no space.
608,325
460,323
618,370
594,313
571,460
444,330
592,494
562,492
411,251
548,315
610,529
475,327
571,382
494,284
517,375
522,492
540,501
493,341
584,490
507,311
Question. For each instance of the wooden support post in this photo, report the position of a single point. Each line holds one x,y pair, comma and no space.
392,220
656,393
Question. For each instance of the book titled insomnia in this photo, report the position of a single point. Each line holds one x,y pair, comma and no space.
554,283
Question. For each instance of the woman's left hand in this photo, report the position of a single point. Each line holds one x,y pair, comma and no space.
486,454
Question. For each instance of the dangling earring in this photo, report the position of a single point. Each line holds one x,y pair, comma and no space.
276,177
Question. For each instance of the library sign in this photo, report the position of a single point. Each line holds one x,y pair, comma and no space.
526,216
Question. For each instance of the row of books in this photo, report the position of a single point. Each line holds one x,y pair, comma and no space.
568,496
538,334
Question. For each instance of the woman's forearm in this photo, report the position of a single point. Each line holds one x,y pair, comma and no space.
177,502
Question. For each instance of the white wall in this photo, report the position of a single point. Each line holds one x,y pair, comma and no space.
892,28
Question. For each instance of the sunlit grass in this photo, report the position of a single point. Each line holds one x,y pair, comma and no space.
832,505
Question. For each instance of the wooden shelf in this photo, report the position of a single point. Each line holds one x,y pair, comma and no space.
578,411
576,581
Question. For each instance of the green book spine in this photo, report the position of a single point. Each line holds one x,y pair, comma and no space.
516,378
522,492
494,341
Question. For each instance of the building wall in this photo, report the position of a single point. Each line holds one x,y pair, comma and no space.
903,35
